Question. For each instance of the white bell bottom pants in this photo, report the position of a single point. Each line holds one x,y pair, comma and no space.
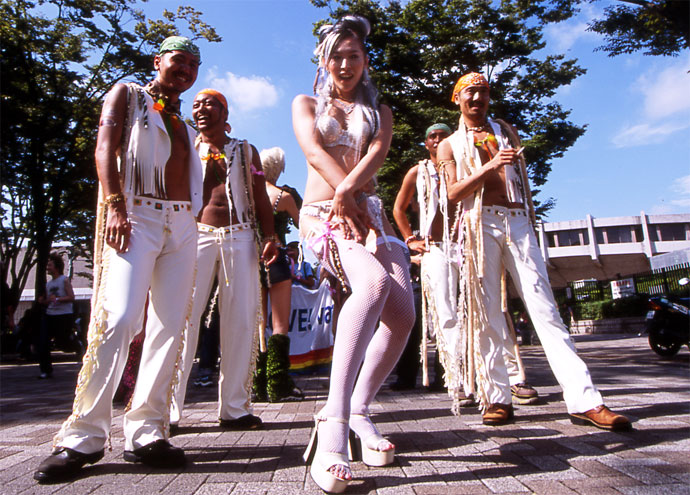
228,253
160,256
441,274
509,241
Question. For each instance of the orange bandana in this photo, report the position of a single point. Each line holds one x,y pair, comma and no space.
219,96
471,79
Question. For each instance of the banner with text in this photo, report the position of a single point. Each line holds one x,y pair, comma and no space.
311,327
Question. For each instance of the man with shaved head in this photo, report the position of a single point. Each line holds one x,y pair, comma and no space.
235,205
487,178
150,191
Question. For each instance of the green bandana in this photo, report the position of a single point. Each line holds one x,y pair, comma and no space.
437,127
180,43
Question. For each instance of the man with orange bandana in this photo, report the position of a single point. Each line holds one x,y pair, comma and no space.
234,199
488,178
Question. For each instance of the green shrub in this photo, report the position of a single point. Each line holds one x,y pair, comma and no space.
635,305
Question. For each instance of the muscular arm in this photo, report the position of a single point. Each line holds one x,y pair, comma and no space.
402,202
264,212
110,130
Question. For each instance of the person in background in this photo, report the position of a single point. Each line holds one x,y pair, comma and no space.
272,379
234,210
301,271
59,313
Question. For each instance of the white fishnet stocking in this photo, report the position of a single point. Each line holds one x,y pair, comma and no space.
370,284
389,340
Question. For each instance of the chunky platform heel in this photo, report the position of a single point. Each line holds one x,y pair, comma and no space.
366,449
321,462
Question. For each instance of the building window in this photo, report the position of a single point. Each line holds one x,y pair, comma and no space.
618,234
669,232
564,238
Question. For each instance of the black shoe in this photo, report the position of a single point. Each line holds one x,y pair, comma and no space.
246,422
293,394
158,454
64,463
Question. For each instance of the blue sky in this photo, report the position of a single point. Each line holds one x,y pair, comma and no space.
634,156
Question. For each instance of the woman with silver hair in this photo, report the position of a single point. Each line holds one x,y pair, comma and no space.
272,380
345,135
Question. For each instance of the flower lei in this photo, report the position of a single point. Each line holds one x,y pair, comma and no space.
170,111
484,144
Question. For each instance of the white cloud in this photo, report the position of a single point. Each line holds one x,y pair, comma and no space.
667,92
664,107
564,35
682,186
647,133
244,94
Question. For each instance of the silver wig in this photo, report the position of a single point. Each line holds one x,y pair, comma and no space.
366,97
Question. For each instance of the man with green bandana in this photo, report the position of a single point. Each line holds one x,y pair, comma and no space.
435,248
150,192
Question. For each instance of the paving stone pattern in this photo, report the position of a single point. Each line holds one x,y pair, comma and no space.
438,453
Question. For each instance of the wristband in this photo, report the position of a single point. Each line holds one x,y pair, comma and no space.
114,198
410,238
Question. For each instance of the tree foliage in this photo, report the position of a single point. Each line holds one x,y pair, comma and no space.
58,60
657,27
418,49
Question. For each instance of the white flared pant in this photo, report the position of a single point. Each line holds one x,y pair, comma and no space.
225,253
509,241
160,257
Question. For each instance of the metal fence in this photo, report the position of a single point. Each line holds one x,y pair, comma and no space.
660,281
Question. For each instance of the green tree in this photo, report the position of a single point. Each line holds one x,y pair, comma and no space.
418,49
657,27
58,60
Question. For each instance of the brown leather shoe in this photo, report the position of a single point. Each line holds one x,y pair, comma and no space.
602,417
498,414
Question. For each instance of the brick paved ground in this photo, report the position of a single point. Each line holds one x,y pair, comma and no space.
541,452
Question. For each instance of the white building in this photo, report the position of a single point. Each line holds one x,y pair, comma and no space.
605,248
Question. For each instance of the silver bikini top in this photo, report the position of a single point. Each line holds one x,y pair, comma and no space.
332,132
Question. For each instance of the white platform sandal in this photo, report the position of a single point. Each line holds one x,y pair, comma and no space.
367,449
321,462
